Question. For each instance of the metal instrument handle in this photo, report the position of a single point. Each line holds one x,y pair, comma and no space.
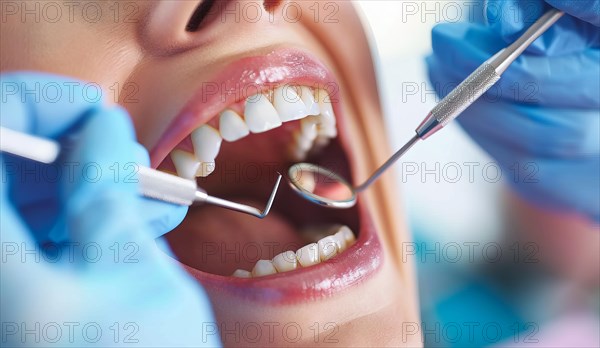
167,187
483,78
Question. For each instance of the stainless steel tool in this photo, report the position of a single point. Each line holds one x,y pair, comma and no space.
152,183
323,186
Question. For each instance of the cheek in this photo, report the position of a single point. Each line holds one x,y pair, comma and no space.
156,92
103,53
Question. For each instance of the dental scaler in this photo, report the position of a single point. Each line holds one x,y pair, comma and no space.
152,183
324,187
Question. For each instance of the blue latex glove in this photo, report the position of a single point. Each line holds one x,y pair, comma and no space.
79,264
541,122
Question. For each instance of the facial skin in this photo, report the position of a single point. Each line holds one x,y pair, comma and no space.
144,60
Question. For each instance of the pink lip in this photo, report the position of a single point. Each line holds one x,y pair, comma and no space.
241,79
354,266
244,78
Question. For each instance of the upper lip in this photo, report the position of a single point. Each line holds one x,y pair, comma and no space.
232,85
240,79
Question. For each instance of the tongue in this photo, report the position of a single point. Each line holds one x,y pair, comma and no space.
219,241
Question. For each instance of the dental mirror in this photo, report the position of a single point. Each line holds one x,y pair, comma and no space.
324,187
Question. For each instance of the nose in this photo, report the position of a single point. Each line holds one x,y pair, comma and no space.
272,5
176,26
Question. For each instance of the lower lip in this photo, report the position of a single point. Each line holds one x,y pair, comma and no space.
356,265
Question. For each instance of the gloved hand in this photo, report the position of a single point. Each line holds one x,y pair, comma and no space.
79,263
541,122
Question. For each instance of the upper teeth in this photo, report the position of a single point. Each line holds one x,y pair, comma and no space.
207,142
334,240
288,104
186,163
260,115
309,101
232,126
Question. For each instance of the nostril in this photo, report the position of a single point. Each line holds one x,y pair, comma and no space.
199,15
205,6
271,5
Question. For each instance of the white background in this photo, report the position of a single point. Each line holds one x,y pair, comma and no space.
444,211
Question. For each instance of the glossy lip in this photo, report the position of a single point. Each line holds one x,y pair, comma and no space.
357,263
243,78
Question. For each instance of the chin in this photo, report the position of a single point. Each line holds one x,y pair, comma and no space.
305,275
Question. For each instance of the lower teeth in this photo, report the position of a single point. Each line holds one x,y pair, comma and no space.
327,242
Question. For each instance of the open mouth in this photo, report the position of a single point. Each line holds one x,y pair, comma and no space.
259,116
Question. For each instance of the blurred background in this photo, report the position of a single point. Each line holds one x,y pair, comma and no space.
483,280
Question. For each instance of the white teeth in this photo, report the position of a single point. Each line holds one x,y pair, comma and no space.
240,273
303,143
207,143
260,114
322,96
308,255
285,262
296,154
321,142
328,131
346,232
308,128
334,239
288,104
185,163
304,138
263,268
311,138
340,241
327,125
327,248
343,235
205,169
232,126
312,107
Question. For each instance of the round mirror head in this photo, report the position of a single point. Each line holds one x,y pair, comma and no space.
321,186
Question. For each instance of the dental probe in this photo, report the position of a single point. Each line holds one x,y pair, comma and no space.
152,183
324,187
